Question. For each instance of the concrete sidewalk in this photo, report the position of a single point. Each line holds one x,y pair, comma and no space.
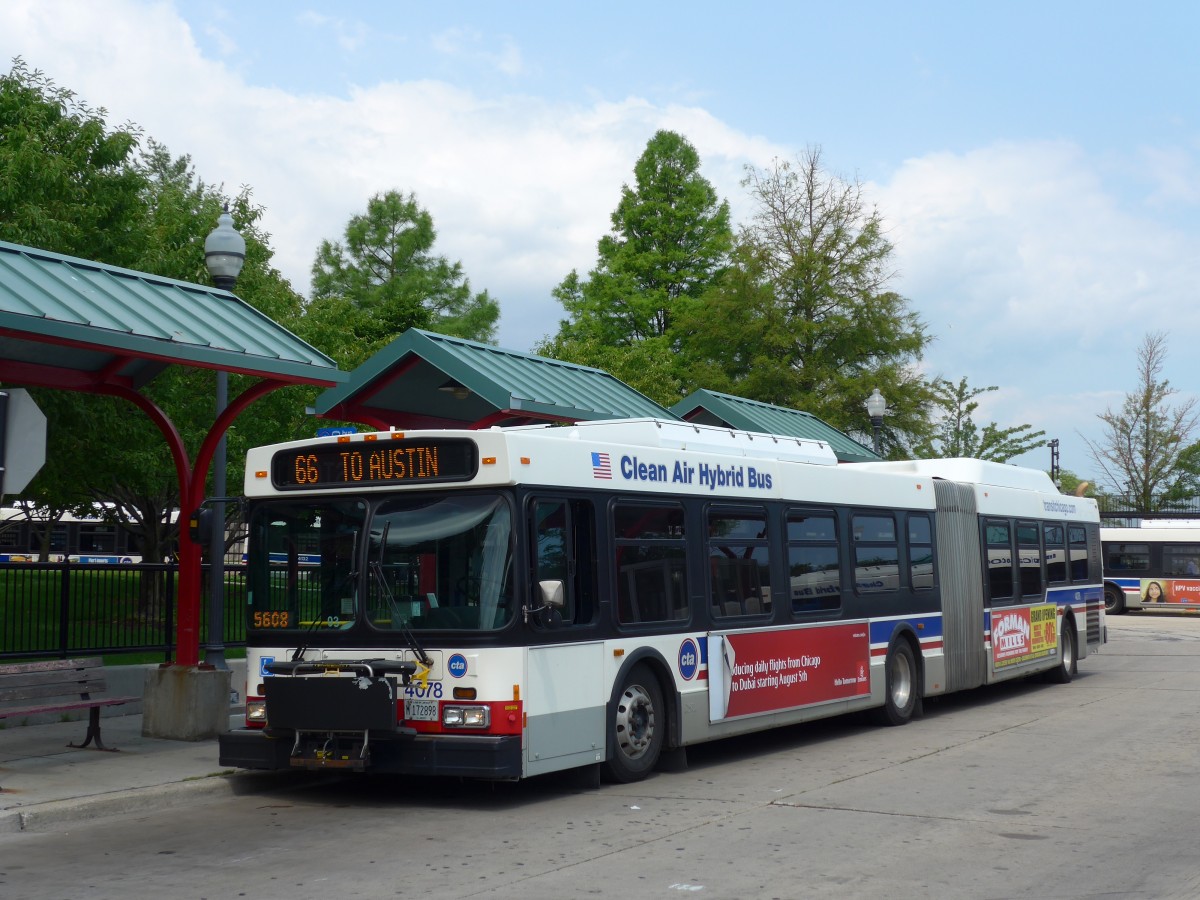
46,785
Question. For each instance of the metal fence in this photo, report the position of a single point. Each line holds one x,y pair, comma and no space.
1131,506
72,609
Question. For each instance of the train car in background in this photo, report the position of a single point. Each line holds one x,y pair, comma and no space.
77,539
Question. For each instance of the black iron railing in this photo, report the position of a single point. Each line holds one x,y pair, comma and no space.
71,609
1130,506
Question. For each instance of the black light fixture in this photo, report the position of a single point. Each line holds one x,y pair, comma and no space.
459,391
876,408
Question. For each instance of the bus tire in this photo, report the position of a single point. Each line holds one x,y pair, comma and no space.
900,693
1114,600
1061,674
637,726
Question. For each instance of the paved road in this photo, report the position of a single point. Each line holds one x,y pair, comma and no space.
1084,790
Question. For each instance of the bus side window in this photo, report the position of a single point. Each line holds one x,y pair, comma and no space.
876,553
738,563
1077,538
564,543
1029,550
1181,560
814,564
1056,553
920,552
998,545
651,571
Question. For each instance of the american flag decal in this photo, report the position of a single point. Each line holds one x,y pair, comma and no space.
601,466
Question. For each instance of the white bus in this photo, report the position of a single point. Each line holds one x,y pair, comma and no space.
510,602
1156,566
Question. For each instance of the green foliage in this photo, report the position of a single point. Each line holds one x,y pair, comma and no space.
669,244
70,185
66,181
1146,452
956,434
384,279
804,318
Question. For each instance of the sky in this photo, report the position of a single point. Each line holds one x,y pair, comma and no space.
1037,165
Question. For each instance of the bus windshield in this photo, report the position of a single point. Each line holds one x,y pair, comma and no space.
440,562
303,570
418,562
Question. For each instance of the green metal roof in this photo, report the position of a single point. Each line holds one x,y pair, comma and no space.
713,408
76,324
410,384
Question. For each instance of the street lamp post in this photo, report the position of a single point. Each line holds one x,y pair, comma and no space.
224,254
876,408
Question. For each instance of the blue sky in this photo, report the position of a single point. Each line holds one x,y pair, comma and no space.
1037,164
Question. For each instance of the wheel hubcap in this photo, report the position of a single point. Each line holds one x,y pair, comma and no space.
635,722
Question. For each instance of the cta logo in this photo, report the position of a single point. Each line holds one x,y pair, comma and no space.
689,659
457,665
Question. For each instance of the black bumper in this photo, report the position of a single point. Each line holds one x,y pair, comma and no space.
496,758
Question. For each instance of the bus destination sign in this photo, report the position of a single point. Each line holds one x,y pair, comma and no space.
367,463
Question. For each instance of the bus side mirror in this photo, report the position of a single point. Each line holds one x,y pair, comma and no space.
200,527
553,594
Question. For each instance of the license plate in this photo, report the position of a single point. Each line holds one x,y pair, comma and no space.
421,710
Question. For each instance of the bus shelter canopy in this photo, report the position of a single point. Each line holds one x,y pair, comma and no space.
714,408
428,380
77,325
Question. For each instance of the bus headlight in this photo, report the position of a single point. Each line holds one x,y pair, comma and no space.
466,716
256,711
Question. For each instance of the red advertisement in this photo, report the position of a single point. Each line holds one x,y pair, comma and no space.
1019,635
766,671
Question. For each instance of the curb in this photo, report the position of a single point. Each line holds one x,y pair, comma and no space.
56,814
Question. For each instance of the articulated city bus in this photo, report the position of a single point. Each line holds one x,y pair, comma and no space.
1156,566
509,602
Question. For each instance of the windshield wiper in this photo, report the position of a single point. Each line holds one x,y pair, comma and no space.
375,567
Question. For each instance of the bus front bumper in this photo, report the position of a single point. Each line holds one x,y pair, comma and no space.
468,756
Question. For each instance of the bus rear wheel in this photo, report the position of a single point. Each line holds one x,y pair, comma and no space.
637,727
1061,674
901,694
1114,600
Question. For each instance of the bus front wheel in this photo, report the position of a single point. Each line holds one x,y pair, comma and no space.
901,694
637,726
1114,600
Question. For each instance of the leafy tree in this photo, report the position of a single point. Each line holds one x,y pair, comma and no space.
669,244
956,434
67,182
1146,452
384,280
71,185
805,318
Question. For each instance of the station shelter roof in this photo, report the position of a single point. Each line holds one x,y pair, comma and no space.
80,325
428,380
714,408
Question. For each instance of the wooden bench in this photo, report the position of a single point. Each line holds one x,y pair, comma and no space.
58,685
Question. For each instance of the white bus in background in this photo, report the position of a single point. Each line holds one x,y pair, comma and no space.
504,603
1155,566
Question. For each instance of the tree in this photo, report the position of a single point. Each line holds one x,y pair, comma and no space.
669,244
1146,451
66,181
384,280
956,434
805,318
71,185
